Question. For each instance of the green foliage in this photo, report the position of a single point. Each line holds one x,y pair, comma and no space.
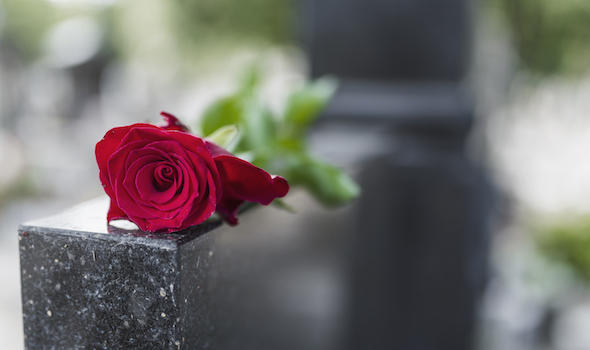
551,37
221,113
197,22
245,110
327,183
277,142
304,104
27,21
568,243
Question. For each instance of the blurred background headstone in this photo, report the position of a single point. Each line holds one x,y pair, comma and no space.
421,240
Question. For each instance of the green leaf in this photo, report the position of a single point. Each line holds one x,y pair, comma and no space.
255,122
247,156
330,185
226,111
226,137
258,127
304,105
250,80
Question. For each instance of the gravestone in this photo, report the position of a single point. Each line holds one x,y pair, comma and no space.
388,40
89,285
420,251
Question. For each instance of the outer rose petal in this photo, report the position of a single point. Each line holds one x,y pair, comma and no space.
172,123
115,212
228,209
243,181
217,150
107,146
197,148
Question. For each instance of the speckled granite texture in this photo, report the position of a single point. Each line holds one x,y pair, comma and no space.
86,285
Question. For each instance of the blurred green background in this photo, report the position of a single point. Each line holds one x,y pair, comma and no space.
550,37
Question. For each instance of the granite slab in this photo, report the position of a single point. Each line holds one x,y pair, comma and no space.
89,285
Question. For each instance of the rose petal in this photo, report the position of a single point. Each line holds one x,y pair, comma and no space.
243,180
106,147
164,176
228,209
203,212
171,123
142,133
216,150
146,187
115,166
197,146
142,204
171,153
115,212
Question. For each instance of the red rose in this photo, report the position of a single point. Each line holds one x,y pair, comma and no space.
163,178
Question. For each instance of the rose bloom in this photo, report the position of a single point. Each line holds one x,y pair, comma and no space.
163,178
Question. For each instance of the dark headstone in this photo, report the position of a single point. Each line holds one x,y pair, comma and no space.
423,266
397,61
420,249
86,285
388,40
